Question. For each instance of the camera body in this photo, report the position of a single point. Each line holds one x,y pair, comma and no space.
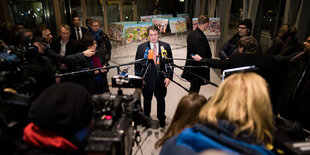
116,117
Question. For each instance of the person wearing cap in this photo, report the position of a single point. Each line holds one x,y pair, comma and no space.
60,121
230,47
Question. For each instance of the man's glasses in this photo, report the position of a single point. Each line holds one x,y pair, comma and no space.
307,41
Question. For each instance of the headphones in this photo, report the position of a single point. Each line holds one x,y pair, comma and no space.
288,32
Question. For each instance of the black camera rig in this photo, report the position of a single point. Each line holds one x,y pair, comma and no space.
116,117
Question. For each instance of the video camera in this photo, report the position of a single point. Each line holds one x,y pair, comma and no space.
115,116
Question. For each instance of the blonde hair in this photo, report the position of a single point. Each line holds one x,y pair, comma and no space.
202,19
66,27
186,115
243,100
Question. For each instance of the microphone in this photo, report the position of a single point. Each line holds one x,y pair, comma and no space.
150,60
146,53
163,53
150,55
158,64
164,57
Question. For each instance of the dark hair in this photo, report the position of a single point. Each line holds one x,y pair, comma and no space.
186,115
287,30
93,21
86,41
87,21
249,44
37,31
75,17
152,27
202,19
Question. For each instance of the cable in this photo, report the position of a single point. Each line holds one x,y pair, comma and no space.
138,140
149,133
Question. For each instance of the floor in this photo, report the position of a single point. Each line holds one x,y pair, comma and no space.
126,53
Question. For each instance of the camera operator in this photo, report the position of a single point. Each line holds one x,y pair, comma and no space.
60,121
41,69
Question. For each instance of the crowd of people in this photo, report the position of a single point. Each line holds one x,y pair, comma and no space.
238,119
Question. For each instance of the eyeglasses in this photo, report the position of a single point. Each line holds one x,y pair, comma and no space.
307,41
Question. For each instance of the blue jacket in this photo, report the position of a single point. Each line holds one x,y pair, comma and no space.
204,137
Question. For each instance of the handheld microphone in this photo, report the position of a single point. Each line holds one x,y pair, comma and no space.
163,53
164,57
150,55
146,53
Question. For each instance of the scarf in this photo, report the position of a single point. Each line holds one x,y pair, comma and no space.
95,61
96,34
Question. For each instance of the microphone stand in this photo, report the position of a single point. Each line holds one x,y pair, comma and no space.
100,68
147,68
176,82
205,80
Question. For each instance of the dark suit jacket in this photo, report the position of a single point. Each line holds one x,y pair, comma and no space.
152,78
71,46
197,43
73,34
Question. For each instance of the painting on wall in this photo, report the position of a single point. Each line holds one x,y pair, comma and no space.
214,30
149,18
177,25
115,32
136,32
161,23
184,15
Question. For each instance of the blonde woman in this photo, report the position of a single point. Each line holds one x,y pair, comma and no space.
237,120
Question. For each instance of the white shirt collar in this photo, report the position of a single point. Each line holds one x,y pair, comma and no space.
157,46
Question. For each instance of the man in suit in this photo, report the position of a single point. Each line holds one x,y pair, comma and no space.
157,77
197,43
77,31
64,45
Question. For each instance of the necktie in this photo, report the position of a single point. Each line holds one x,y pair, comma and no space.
78,34
155,54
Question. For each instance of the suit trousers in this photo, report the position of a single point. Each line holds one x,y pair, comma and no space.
160,94
195,87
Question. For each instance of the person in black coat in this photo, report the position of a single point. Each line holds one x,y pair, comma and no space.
64,45
286,41
231,46
156,81
95,81
103,41
197,43
77,31
268,66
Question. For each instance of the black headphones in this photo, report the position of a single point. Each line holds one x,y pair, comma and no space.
288,32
